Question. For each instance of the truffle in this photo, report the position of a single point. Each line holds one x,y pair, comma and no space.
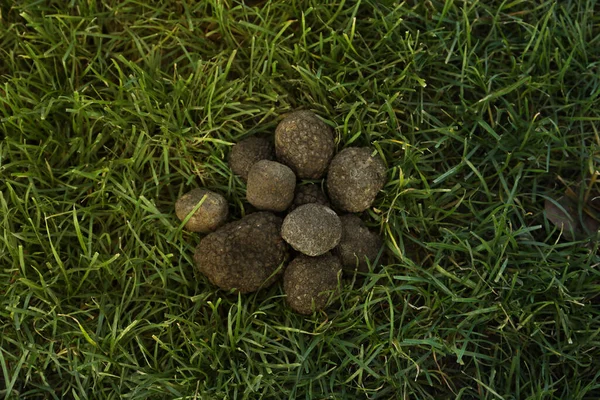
305,144
312,229
270,186
354,178
307,194
247,153
309,282
358,244
244,254
208,217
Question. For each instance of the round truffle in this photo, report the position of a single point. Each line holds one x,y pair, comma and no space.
305,144
312,229
211,214
247,153
358,244
270,186
354,179
307,194
243,255
309,282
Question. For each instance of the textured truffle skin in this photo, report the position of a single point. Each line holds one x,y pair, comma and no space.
307,194
358,243
212,213
247,153
309,281
354,179
244,254
305,144
312,229
270,186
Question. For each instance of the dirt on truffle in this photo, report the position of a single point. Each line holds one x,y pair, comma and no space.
354,179
358,243
305,144
247,153
212,213
309,282
270,186
312,229
244,254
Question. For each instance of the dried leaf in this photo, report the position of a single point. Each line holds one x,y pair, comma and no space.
590,225
563,214
577,213
594,202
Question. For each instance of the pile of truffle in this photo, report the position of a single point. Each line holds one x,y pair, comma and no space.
253,252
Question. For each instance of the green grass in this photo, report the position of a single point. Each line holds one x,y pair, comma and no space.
109,110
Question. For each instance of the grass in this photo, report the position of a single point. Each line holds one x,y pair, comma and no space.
110,110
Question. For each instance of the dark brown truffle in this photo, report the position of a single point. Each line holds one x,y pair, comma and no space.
358,244
312,229
307,194
354,179
309,282
211,214
247,153
244,254
270,186
305,144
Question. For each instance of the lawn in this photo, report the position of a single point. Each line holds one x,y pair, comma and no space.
483,111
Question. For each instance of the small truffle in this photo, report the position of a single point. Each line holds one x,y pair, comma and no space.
305,144
247,153
244,254
309,282
312,229
270,186
211,214
358,244
307,194
354,179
